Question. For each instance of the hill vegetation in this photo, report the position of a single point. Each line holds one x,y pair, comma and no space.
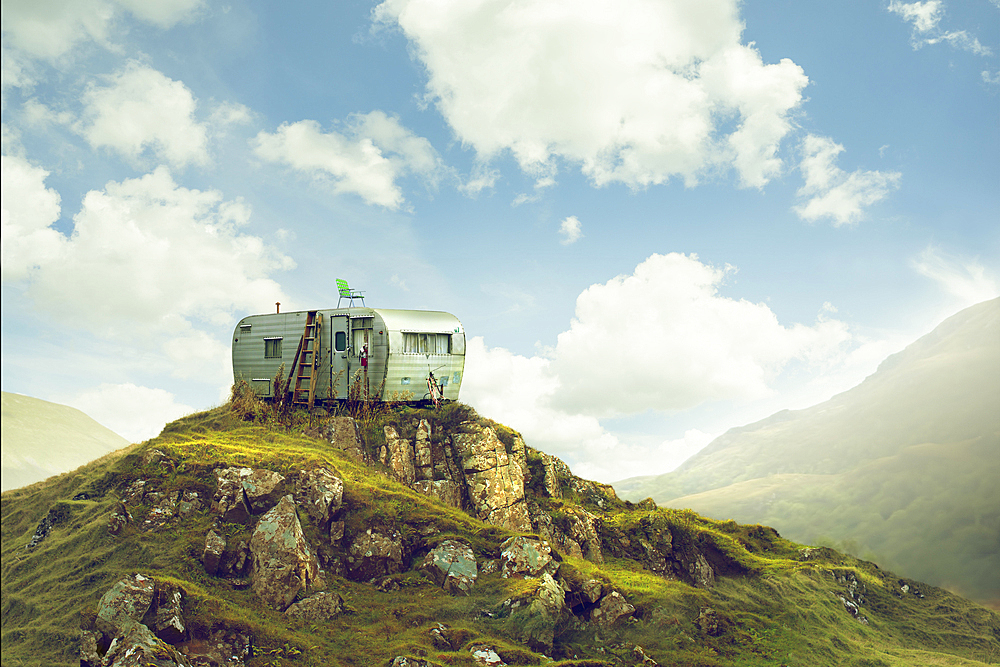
561,569
41,439
901,469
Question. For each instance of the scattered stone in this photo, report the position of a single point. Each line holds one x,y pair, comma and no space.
485,655
138,647
708,622
526,557
320,607
407,661
124,604
163,508
190,502
373,555
152,457
489,566
42,531
441,637
135,492
215,546
89,655
119,518
643,658
83,495
222,649
282,563
452,566
612,608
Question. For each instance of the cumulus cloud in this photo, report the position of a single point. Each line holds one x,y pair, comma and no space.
142,109
571,230
831,192
675,342
632,91
50,29
367,159
965,279
133,412
661,339
926,19
29,209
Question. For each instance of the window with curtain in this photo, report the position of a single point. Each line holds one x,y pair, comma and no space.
426,343
272,348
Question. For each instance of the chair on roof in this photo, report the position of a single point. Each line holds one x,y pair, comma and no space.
347,293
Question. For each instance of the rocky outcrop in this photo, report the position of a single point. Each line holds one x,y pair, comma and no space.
321,494
125,604
374,554
398,454
573,530
444,490
262,489
495,482
215,546
166,620
452,566
526,557
282,563
138,647
229,502
342,433
612,608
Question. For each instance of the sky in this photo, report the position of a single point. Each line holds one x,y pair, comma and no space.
656,219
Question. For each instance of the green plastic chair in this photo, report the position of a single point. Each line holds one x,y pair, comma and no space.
347,293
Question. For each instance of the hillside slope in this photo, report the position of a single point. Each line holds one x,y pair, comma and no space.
420,538
41,439
903,467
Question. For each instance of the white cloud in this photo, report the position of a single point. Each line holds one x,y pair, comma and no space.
135,413
147,260
965,279
141,109
633,91
664,338
571,230
49,29
29,210
926,19
661,339
833,193
366,160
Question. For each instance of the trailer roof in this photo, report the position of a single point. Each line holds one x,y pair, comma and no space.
428,321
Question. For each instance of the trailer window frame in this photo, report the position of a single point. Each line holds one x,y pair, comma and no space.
272,347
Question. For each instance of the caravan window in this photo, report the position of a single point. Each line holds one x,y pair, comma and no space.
426,343
340,343
272,348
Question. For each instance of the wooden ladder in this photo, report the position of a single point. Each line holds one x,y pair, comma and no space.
307,359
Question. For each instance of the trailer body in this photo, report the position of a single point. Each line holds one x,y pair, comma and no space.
404,346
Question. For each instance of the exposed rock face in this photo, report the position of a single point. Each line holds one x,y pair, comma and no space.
495,482
262,488
164,506
138,647
423,455
551,482
700,571
320,493
89,655
526,557
229,502
320,607
452,566
282,563
373,554
215,546
447,491
119,518
342,433
124,604
399,456
575,532
222,648
612,608
167,623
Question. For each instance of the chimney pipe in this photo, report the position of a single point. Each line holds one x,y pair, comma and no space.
277,307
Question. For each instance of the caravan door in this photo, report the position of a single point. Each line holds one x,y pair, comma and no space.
339,363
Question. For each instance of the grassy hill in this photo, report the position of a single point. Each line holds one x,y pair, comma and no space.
41,439
769,602
903,468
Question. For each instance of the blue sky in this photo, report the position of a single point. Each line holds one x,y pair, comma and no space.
656,220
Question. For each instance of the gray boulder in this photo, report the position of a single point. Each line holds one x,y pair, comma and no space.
613,607
320,493
282,563
373,554
262,488
138,647
452,566
167,622
526,557
495,480
398,456
124,605
228,501
215,546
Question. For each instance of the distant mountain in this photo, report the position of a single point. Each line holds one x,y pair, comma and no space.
41,439
904,468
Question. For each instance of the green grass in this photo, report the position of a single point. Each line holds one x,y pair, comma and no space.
773,607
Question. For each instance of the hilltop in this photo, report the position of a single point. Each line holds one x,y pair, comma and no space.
902,468
41,439
404,536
